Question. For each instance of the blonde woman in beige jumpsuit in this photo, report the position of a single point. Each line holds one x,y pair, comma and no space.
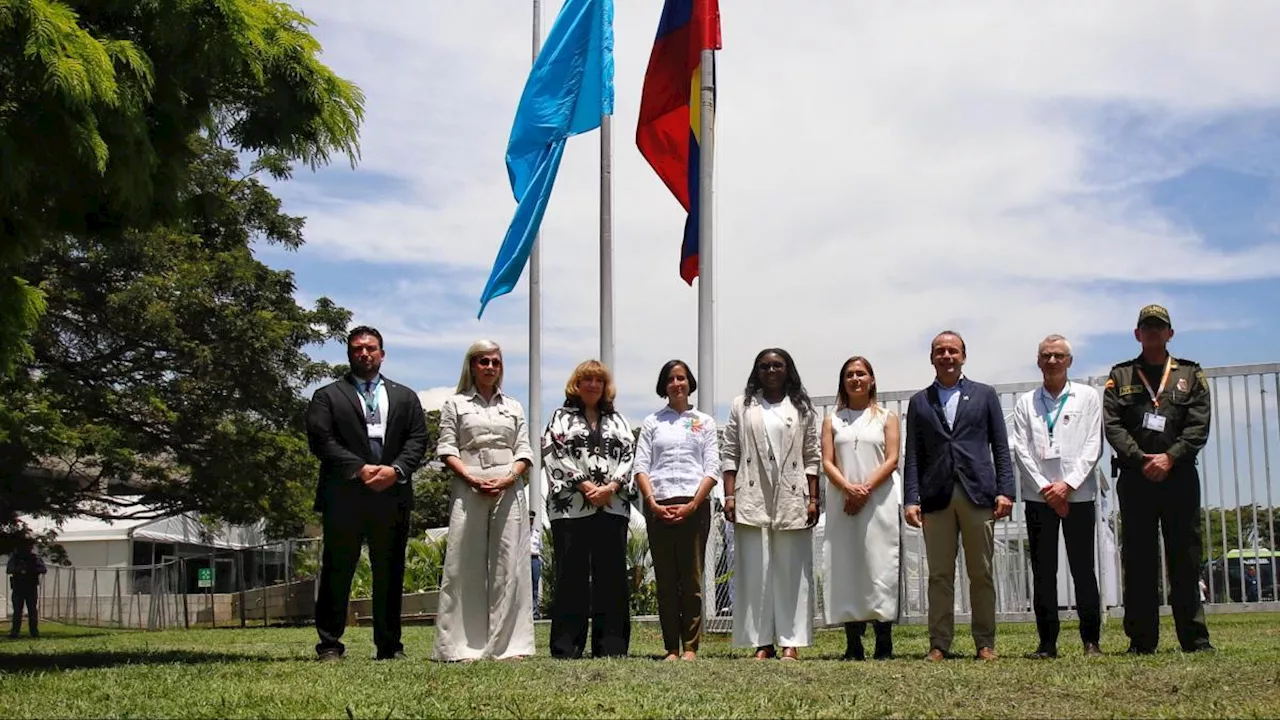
486,607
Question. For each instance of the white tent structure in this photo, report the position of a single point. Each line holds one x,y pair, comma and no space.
98,548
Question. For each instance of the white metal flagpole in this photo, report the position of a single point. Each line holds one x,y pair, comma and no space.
606,243
535,325
706,240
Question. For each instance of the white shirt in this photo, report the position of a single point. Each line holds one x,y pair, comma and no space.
377,430
535,539
1077,436
775,421
677,450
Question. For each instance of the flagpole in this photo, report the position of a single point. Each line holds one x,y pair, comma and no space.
535,326
606,243
706,240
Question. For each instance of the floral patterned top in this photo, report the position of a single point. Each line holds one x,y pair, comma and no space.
573,454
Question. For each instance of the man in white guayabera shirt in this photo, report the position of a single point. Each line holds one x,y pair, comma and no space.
1057,440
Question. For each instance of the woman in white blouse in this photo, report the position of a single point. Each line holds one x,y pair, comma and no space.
486,593
677,462
587,451
771,459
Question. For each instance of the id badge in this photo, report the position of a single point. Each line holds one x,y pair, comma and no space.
1153,422
1052,451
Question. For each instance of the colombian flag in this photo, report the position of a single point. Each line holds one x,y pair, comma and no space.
668,130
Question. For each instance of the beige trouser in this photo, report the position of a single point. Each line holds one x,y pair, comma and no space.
961,524
486,594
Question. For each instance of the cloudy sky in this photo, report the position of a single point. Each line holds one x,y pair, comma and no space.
885,170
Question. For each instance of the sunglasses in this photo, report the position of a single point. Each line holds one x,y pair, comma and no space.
488,362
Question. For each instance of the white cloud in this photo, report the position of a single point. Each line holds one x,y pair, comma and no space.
433,398
884,170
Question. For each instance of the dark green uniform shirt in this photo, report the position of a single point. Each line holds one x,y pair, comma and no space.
1184,404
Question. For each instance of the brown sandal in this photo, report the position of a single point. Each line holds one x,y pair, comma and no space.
765,652
790,654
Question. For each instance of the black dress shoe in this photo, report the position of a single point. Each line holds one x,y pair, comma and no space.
397,655
329,655
855,653
1138,650
1042,654
1205,648
1092,650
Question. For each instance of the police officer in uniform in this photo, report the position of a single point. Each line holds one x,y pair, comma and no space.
24,570
1156,412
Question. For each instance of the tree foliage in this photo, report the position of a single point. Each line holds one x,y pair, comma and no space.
171,359
100,99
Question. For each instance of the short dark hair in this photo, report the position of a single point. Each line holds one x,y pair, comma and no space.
664,375
364,330
953,334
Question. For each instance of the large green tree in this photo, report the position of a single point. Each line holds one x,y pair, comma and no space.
140,340
99,100
171,359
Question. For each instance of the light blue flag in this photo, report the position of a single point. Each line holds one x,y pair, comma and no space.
569,89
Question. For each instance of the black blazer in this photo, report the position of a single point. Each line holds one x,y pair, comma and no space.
337,435
937,456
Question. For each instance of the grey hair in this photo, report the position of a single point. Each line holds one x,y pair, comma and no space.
479,347
1055,338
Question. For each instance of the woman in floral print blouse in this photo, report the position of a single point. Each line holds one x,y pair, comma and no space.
587,452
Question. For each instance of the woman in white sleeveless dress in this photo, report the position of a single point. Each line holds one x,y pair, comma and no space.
864,502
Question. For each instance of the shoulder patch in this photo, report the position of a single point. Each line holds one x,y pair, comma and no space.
1131,390
1202,379
1184,361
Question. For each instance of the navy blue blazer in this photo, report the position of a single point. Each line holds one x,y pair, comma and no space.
937,456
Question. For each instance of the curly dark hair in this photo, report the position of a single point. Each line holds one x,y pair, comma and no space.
792,386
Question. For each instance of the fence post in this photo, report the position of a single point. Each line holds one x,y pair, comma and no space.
182,586
240,582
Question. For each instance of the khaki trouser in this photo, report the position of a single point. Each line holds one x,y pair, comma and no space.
961,524
486,593
678,552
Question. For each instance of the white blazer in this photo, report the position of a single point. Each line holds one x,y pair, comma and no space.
771,491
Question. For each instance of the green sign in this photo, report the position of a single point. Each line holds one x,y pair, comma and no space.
204,577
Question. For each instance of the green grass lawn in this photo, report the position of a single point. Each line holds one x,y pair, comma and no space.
87,672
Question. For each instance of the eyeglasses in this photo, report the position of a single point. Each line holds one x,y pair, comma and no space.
1054,356
488,362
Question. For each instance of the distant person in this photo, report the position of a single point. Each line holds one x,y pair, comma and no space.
24,570
959,481
1157,411
771,462
860,443
677,465
1057,439
588,450
535,560
370,435
486,605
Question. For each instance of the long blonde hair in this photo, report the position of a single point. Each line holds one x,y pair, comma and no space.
479,347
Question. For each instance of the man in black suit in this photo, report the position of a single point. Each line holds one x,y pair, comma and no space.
370,435
958,473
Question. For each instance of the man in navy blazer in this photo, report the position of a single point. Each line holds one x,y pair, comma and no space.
959,475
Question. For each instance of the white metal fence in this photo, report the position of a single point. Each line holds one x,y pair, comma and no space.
1238,485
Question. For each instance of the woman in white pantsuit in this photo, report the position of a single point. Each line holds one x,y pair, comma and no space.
486,605
864,504
770,461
